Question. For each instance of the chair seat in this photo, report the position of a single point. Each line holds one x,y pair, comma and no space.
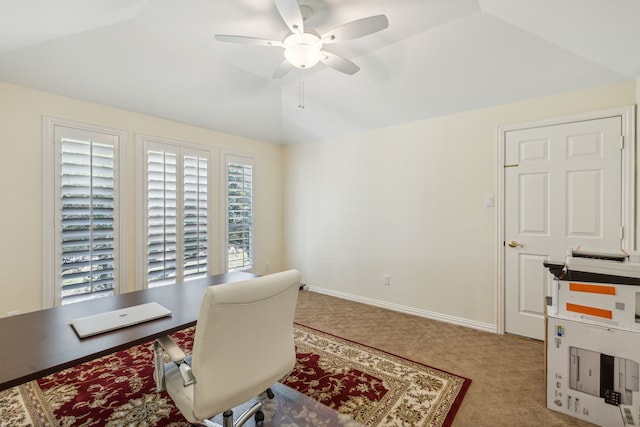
182,396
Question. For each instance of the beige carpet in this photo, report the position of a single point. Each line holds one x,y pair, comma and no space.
508,387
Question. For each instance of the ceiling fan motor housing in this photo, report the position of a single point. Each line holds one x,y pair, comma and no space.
303,50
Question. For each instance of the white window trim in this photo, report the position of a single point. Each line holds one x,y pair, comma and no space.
141,141
224,183
51,295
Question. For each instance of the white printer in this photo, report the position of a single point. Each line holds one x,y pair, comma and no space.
593,337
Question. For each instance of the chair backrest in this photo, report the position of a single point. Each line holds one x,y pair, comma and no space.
243,341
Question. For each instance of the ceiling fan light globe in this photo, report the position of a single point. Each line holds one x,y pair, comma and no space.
303,55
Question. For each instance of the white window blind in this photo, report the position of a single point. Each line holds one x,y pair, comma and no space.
86,215
177,213
161,217
239,213
196,202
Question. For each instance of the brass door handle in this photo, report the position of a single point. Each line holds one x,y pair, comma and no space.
514,244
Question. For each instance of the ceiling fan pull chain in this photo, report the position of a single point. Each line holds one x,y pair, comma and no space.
301,94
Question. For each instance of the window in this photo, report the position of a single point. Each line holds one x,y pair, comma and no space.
84,227
239,213
177,210
81,254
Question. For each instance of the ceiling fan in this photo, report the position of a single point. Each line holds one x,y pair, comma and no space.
303,46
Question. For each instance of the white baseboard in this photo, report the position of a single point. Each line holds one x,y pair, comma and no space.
408,310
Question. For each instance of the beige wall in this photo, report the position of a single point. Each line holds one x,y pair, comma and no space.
408,201
21,113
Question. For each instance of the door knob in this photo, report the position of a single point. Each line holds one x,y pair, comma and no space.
514,244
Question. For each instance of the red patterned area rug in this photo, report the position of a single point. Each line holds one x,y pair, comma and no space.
363,384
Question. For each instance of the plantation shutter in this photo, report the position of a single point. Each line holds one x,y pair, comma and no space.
239,213
161,217
87,203
177,215
195,216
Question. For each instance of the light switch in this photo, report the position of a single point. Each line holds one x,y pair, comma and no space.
488,201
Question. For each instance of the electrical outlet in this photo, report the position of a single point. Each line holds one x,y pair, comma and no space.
387,280
267,266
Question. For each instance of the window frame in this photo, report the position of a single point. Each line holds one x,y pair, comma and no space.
143,142
51,251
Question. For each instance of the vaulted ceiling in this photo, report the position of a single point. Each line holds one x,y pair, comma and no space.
437,57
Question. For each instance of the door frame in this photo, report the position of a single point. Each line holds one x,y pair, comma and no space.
629,165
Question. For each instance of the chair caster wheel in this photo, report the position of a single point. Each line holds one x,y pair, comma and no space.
270,394
259,417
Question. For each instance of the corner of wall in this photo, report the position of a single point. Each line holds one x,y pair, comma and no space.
637,140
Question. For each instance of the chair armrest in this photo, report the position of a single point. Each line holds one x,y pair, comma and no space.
176,355
174,352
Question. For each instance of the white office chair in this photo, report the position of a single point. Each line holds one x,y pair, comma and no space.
243,344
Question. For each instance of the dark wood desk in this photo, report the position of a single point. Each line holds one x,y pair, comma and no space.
43,342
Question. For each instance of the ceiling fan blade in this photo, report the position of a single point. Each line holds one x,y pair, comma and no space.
247,40
282,69
339,63
354,29
291,15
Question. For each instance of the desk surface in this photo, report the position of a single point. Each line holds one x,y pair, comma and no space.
43,342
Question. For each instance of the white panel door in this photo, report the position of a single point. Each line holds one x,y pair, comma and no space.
563,188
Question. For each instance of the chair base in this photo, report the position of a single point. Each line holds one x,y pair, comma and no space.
254,411
227,417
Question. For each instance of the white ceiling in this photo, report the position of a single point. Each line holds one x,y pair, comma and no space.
437,57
